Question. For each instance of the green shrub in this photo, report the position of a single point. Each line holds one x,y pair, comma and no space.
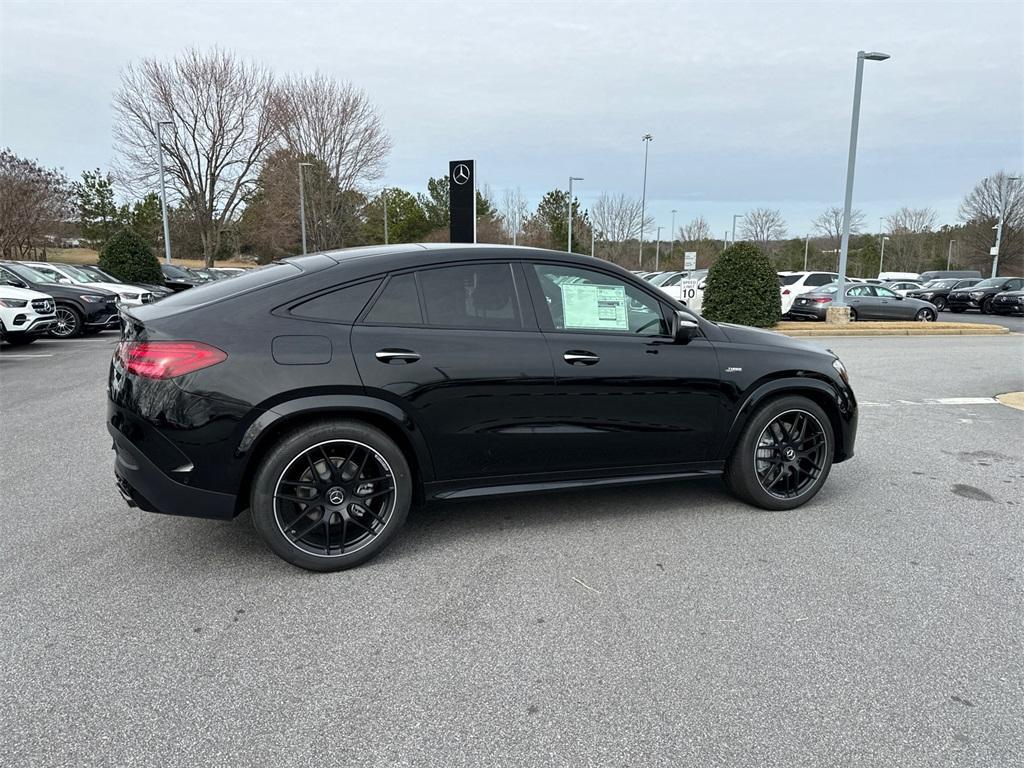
743,288
128,257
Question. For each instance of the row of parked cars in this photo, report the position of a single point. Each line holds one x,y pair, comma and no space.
807,295
69,300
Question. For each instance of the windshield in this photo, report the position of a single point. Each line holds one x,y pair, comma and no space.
75,274
992,282
788,279
27,273
106,276
940,284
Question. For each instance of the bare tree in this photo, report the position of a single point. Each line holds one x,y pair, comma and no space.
980,211
617,220
911,220
513,211
33,202
762,225
221,110
907,248
334,125
829,224
696,231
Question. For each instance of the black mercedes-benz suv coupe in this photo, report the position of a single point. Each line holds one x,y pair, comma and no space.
979,296
329,393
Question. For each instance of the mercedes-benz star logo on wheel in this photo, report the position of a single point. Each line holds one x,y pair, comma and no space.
335,496
460,175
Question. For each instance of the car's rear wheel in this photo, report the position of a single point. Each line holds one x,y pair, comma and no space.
69,323
853,315
986,307
783,456
925,315
940,303
331,495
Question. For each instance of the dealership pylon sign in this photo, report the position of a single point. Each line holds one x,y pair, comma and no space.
462,201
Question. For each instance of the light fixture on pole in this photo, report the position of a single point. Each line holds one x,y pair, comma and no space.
949,254
571,180
672,234
657,250
302,206
881,255
163,191
734,217
844,244
643,198
999,227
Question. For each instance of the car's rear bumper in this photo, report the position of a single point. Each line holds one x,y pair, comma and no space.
807,313
144,485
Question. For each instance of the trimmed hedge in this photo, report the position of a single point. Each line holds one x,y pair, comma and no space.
743,288
128,257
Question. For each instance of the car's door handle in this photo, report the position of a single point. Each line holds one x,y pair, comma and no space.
580,357
397,356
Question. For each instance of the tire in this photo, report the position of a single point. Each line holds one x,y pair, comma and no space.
925,315
19,339
986,307
330,517
940,303
750,453
69,323
853,315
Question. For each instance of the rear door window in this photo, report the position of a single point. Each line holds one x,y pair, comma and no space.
819,279
471,296
398,303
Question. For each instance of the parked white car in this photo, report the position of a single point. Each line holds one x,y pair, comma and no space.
792,284
689,290
69,275
25,315
890,277
903,287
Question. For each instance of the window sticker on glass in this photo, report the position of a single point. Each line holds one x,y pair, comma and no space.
595,307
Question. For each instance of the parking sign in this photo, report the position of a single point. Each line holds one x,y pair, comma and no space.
690,262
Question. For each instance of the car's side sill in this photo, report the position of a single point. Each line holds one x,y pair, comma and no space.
561,485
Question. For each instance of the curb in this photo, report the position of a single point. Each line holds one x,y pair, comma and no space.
894,329
1012,399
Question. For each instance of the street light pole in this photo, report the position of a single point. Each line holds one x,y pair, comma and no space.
881,255
163,191
734,217
593,239
949,255
999,227
844,244
643,198
672,235
302,206
384,200
807,245
571,180
657,251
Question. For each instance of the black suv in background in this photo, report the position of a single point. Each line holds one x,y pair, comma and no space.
328,393
78,310
1009,303
179,278
937,291
979,296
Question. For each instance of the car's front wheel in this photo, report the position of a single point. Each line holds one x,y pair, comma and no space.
331,495
783,456
69,323
940,303
986,307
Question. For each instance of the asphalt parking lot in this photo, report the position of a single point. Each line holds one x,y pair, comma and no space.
880,625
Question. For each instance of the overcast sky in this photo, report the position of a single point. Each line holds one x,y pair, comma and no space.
749,103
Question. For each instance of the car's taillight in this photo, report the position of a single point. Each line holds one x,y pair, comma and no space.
823,300
167,359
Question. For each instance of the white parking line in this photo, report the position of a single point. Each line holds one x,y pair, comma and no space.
936,401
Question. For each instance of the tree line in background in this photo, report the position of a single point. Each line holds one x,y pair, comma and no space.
233,137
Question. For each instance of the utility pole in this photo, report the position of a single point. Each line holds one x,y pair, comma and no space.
881,256
571,180
807,245
672,235
384,199
657,251
949,254
643,198
163,191
302,206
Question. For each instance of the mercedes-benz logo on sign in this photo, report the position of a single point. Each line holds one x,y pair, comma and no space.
460,175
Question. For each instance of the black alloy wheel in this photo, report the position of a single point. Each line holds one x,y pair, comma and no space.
332,495
940,303
69,323
986,307
783,456
925,315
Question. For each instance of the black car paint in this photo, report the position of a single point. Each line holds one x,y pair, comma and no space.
1008,303
942,292
95,315
961,300
493,413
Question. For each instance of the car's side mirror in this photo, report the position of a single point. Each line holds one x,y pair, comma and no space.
899,297
683,328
